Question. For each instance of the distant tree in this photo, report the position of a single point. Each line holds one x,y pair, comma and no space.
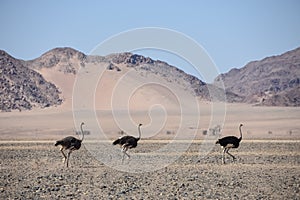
85,132
270,132
216,130
121,132
170,132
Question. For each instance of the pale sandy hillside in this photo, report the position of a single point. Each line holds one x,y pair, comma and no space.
117,92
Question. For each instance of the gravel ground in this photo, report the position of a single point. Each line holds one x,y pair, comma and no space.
263,170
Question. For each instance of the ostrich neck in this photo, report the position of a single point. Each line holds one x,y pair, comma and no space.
241,133
139,130
82,132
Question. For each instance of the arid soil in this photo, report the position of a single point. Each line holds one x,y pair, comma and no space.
264,169
267,165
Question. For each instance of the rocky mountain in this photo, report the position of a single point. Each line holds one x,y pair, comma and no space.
163,69
64,59
22,88
41,82
173,75
272,81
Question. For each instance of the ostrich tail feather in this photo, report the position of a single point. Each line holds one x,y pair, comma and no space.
116,142
58,143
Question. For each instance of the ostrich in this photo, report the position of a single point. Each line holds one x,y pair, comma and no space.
230,142
70,143
128,142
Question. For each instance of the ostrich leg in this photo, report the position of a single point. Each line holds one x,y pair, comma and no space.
230,154
62,151
223,155
125,153
69,153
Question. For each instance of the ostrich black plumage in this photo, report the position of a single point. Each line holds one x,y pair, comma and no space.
230,142
128,142
70,143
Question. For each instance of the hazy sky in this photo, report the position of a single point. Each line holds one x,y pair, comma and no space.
232,32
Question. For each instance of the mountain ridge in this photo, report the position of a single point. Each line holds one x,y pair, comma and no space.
22,88
64,62
265,81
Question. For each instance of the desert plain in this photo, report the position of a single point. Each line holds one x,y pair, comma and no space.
267,165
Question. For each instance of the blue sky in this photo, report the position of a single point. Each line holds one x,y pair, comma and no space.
232,32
